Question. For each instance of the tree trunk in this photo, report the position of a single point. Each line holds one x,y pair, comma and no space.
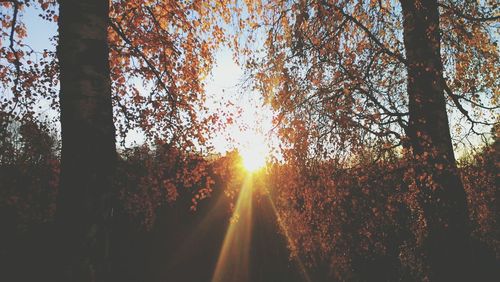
442,194
88,140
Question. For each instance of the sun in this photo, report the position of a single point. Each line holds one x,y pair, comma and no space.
253,159
254,153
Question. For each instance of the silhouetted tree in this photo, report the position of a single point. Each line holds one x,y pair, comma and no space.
442,195
343,74
88,140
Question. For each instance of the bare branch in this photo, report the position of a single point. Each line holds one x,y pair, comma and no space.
370,35
17,63
464,112
469,17
117,28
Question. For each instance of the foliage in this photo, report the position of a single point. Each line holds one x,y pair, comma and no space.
160,53
148,179
353,221
339,67
334,71
362,221
29,172
480,176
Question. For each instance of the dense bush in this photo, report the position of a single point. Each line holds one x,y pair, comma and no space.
363,221
29,173
347,222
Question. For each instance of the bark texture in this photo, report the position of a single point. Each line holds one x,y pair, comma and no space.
88,140
442,194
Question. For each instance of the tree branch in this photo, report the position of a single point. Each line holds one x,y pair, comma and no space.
118,29
469,17
370,35
17,62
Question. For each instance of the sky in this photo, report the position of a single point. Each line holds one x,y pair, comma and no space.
253,127
255,120
223,85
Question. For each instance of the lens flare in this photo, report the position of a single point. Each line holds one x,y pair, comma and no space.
233,263
254,152
234,259
253,159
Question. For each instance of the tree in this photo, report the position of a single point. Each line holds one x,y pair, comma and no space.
164,47
160,53
88,140
443,196
347,74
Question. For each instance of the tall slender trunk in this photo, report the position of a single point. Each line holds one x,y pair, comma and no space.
88,140
442,194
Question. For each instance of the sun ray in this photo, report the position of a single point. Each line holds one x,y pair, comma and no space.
233,263
183,252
